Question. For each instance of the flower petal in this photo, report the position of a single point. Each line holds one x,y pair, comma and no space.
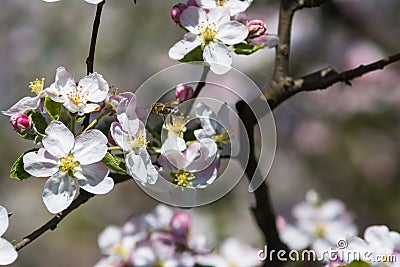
237,6
23,105
94,1
58,140
90,147
94,178
59,192
3,220
232,32
95,85
40,164
192,17
207,4
218,16
136,167
218,57
207,117
7,252
120,137
109,238
89,108
183,47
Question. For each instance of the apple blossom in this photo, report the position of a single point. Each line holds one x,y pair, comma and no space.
67,159
7,252
213,31
234,6
196,167
215,128
82,98
129,133
318,224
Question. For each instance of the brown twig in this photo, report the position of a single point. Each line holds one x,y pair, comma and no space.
93,40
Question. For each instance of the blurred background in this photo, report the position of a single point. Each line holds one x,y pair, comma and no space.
342,142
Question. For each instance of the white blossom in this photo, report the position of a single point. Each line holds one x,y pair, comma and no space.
7,252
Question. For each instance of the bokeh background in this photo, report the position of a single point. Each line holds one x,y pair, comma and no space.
342,142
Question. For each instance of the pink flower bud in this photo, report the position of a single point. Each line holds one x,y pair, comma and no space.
21,122
256,28
180,226
183,92
177,11
192,3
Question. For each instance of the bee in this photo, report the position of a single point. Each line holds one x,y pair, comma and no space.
160,109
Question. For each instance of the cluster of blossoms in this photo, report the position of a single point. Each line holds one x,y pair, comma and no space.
318,225
164,238
216,29
7,253
83,132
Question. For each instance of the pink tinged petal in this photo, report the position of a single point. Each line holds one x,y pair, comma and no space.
207,4
219,16
218,57
268,40
192,17
59,192
64,82
94,178
120,137
378,236
58,140
232,32
40,164
23,105
108,261
96,87
3,220
180,49
90,147
7,252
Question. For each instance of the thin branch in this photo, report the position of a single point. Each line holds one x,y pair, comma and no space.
52,224
322,79
93,40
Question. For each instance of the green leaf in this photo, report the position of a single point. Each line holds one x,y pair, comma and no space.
246,49
17,169
38,120
80,118
28,136
194,55
359,264
52,108
113,164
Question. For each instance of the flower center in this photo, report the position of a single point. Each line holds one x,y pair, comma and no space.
319,229
121,251
222,138
221,2
37,86
78,96
139,141
177,127
208,31
182,178
68,164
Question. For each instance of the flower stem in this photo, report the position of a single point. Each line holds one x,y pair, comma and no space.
96,120
73,122
114,148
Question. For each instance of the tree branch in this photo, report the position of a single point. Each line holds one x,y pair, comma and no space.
93,40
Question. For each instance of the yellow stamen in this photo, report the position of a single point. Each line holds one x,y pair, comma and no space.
319,229
68,164
183,178
37,86
221,2
139,141
177,127
222,138
208,31
78,96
